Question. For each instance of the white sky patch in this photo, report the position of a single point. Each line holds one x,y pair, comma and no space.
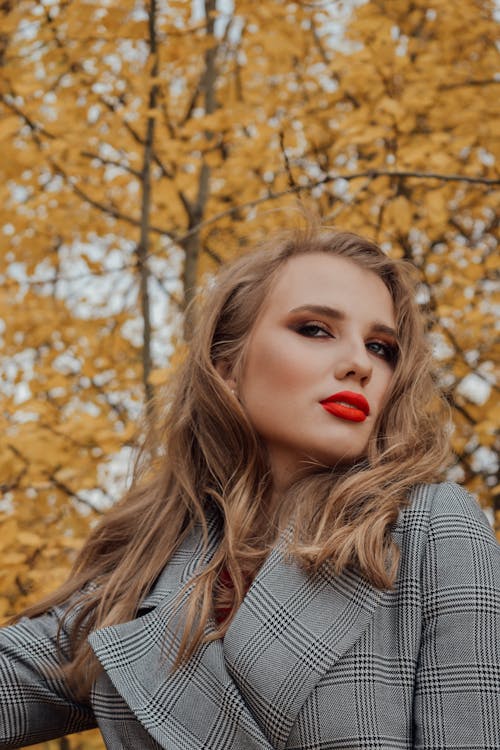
489,512
474,389
488,370
7,503
484,459
22,393
455,474
113,61
115,473
67,364
423,294
18,193
93,113
441,348
21,417
95,295
10,368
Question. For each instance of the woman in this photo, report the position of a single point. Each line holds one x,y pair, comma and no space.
281,573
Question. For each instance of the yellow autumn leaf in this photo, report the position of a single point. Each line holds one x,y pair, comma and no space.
436,209
4,607
8,532
492,262
160,375
12,558
66,474
9,126
28,539
399,213
392,106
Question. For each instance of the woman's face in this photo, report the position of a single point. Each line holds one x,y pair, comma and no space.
318,363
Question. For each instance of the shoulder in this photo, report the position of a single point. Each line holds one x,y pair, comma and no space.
444,507
446,540
443,525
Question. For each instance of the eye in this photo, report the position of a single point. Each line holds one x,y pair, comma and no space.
313,330
389,352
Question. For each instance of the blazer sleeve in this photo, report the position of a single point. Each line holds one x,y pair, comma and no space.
35,702
457,692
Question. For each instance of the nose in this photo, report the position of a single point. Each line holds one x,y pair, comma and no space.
354,362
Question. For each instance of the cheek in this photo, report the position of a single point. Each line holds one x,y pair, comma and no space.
383,386
275,368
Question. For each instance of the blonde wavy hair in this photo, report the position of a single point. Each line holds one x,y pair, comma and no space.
205,459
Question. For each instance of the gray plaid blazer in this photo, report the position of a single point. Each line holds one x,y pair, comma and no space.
311,662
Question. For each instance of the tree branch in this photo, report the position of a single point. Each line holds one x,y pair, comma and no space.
317,41
371,173
286,160
14,484
71,493
464,84
110,210
137,138
111,163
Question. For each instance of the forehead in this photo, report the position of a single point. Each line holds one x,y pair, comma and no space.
323,279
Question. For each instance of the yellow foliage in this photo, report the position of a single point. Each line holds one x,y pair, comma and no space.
9,126
159,376
4,607
399,214
436,207
27,539
13,559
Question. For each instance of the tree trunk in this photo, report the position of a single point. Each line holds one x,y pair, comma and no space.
196,209
144,241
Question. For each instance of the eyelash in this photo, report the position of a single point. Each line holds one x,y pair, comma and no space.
306,328
389,353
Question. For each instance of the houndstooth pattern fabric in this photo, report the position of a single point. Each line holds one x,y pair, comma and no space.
309,662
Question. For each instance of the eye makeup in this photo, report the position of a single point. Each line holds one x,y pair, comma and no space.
313,328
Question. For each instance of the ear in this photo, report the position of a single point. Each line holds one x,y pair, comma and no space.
225,370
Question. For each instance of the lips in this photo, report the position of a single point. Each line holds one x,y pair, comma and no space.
347,405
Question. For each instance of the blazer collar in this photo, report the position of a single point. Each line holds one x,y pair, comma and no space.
247,691
291,628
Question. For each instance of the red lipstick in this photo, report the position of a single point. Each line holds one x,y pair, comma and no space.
347,405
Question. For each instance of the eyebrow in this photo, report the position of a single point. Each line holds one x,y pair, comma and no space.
331,312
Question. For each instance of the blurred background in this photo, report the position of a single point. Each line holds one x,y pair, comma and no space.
143,144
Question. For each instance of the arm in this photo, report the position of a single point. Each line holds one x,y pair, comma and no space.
35,702
457,694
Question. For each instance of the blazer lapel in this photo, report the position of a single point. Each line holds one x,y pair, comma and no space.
291,628
247,691
194,707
